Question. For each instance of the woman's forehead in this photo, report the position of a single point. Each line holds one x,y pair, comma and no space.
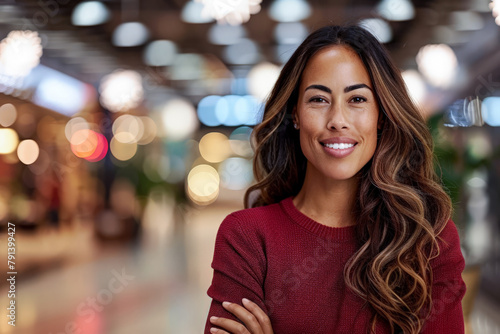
333,65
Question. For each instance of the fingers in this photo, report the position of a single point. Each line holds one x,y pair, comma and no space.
255,320
260,315
249,319
232,326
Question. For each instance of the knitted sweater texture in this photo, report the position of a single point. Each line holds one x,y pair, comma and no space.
292,267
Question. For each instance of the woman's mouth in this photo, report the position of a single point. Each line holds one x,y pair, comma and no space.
339,150
339,146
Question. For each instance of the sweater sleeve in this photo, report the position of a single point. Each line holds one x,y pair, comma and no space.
448,288
239,268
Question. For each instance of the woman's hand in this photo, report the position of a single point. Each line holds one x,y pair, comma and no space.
256,321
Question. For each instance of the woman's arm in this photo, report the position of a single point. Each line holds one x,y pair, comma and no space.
255,320
239,265
448,288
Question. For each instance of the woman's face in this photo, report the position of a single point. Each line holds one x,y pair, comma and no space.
337,114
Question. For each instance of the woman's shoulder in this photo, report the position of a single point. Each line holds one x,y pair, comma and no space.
450,252
251,220
448,237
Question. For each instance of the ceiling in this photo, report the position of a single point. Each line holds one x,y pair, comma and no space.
87,53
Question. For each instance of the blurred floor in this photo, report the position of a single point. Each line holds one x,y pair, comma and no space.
70,283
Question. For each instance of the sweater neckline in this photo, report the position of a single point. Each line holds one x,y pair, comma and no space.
346,233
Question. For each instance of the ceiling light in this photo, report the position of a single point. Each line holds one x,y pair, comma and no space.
90,13
130,34
261,80
379,28
179,119
396,10
438,64
192,13
230,11
289,10
20,52
121,90
160,53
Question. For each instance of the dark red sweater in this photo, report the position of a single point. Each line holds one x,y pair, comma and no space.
292,267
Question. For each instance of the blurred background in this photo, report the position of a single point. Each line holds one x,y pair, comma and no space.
124,142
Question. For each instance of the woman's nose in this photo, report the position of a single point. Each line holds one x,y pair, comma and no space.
336,117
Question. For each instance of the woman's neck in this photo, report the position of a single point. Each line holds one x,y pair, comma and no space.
329,202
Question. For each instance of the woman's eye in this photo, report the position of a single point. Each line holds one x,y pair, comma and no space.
317,99
358,99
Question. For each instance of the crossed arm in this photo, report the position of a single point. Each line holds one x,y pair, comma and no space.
255,320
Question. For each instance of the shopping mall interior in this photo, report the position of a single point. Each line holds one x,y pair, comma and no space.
126,139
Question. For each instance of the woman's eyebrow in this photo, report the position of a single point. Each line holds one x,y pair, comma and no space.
320,87
346,90
357,86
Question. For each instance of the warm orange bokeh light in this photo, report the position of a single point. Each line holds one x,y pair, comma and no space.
89,145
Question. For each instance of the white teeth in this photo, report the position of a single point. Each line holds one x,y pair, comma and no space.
340,146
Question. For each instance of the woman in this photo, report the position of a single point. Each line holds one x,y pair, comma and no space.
351,230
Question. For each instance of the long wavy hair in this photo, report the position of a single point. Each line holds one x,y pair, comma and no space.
401,207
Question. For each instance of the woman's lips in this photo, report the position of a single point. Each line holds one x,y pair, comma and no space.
339,152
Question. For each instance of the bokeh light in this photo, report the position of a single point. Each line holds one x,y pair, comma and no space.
130,34
179,119
214,147
121,90
122,151
187,66
415,85
84,143
8,141
379,28
101,149
490,109
289,10
261,79
128,129
229,110
160,53
232,12
150,130
206,110
90,13
8,114
192,12
396,10
203,184
438,64
239,140
75,124
20,52
28,151
495,10
89,145
235,173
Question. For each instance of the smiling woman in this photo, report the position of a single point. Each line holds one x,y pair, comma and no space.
350,229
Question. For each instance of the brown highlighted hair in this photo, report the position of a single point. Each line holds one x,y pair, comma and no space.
401,205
